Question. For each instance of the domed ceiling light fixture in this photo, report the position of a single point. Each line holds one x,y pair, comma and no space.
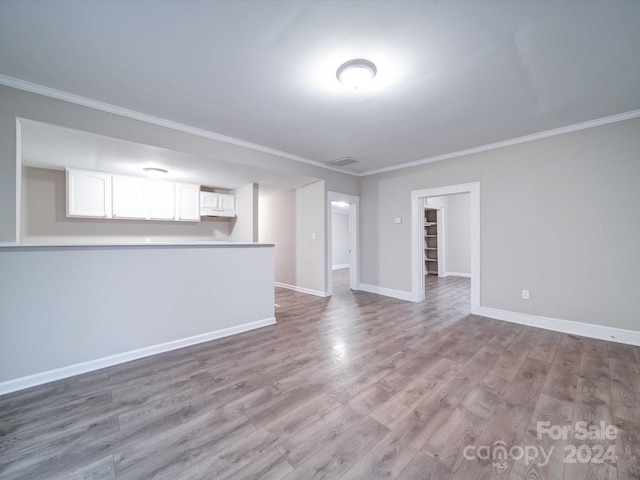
356,73
155,171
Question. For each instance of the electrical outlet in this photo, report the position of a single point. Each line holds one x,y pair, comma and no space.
525,294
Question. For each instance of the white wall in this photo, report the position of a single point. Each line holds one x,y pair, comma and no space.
244,227
61,307
339,239
277,224
310,237
559,217
44,220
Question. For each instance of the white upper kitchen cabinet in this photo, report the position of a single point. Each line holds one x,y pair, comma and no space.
213,204
187,202
162,200
105,195
129,195
88,194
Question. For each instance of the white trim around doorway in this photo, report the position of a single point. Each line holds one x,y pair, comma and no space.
417,238
354,257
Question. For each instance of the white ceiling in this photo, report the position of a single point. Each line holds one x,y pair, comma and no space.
452,75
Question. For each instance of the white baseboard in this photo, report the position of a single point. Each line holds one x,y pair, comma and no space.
457,274
387,292
340,266
92,365
295,288
612,334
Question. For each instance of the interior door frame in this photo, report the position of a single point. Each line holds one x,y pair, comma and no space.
417,238
354,256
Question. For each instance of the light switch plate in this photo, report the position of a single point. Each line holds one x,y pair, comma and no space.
398,219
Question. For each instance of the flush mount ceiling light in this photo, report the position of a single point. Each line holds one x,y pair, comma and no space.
154,171
356,73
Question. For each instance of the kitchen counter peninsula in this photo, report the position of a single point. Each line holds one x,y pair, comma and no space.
67,309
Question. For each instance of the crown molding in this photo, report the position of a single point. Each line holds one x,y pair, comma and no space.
143,117
514,141
106,107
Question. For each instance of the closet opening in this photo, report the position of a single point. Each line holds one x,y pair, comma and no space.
446,243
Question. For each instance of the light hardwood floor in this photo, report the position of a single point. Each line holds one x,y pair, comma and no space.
355,386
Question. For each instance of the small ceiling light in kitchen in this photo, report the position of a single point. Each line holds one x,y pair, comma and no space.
154,171
356,73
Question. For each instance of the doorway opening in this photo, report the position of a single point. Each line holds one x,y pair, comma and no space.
433,258
342,241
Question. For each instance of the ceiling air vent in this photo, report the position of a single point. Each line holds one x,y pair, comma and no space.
342,162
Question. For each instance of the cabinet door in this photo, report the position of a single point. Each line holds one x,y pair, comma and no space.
187,202
162,200
88,194
210,200
228,202
129,197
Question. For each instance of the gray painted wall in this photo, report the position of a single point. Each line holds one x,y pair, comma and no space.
244,227
290,219
339,238
277,224
310,237
559,217
63,306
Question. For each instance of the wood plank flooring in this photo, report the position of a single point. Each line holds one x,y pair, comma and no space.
353,386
